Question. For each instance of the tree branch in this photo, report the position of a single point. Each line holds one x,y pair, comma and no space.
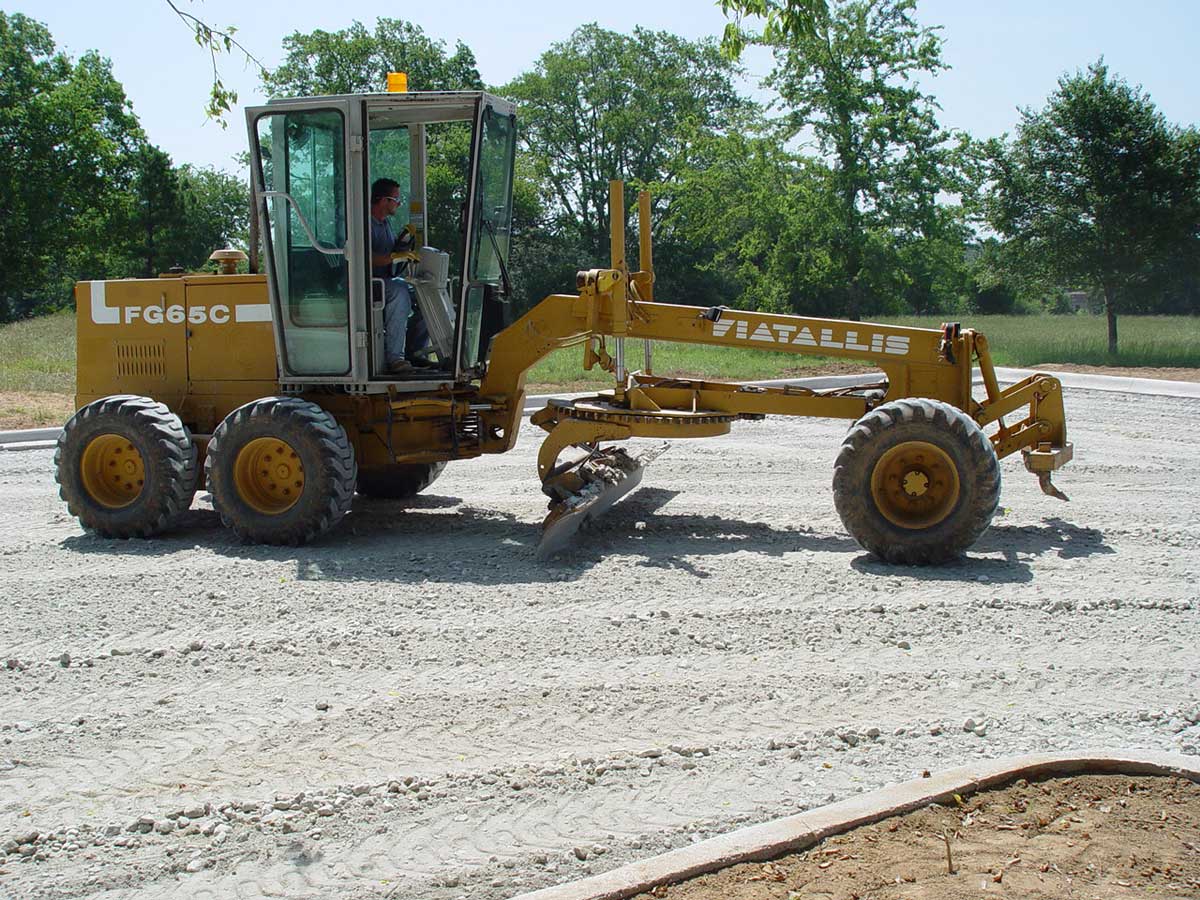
221,99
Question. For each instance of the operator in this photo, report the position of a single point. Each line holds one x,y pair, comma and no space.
402,332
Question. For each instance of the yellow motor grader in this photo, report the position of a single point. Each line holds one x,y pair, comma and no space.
273,389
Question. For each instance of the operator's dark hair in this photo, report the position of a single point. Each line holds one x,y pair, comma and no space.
383,187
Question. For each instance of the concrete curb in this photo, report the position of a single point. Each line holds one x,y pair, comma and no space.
29,445
1119,384
787,835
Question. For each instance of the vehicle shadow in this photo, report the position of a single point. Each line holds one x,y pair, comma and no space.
434,538
1054,535
968,569
1017,543
439,539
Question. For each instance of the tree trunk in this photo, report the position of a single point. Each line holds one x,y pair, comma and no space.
149,271
1111,312
854,311
253,248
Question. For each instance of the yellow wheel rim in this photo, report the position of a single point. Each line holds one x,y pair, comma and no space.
915,485
112,471
268,475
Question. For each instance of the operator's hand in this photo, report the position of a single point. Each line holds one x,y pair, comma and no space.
407,239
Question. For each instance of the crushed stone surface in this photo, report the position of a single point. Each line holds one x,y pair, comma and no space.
416,708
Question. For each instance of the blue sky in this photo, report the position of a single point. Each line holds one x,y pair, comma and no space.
1004,53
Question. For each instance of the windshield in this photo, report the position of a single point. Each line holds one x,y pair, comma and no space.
493,198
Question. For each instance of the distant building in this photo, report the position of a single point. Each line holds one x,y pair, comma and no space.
1079,300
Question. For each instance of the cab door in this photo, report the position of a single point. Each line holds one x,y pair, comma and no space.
306,165
488,229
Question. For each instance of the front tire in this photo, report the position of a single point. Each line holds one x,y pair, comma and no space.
281,471
126,466
916,482
398,482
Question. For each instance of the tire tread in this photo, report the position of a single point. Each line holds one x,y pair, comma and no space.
171,449
852,494
336,459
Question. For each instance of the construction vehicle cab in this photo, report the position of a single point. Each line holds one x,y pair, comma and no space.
313,161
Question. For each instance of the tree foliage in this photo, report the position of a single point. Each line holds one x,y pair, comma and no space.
216,210
782,22
180,215
217,42
835,206
157,212
848,73
602,105
355,60
70,138
82,193
763,211
1097,189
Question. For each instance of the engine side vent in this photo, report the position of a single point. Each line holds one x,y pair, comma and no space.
141,359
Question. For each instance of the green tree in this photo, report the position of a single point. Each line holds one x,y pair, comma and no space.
355,60
603,105
158,226
848,73
216,210
216,41
1098,188
764,213
179,215
70,140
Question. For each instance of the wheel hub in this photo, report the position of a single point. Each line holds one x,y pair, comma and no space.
268,475
112,470
915,484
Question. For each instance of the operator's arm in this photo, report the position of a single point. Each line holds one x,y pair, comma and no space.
400,248
385,246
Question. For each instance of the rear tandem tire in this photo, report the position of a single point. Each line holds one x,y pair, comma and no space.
126,466
916,482
398,482
281,470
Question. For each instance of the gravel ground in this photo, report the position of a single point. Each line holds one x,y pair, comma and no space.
415,708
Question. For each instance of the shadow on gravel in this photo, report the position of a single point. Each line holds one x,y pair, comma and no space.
434,538
195,528
1015,542
1054,535
973,569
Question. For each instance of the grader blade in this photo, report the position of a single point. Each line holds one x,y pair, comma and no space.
585,490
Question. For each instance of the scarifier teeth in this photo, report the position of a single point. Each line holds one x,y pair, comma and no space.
1048,487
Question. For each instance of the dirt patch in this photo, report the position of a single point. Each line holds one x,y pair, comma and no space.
1105,836
1167,374
38,409
828,368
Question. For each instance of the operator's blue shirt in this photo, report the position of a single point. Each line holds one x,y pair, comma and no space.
383,240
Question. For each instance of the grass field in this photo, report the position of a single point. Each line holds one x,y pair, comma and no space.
1143,341
37,371
37,356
